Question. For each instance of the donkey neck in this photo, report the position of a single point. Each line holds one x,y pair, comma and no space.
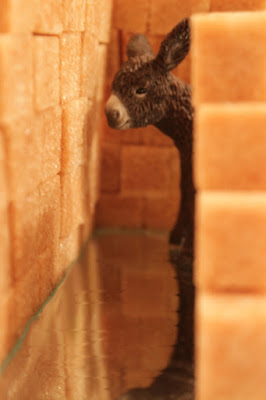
178,124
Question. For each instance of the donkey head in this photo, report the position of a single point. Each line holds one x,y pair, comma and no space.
144,90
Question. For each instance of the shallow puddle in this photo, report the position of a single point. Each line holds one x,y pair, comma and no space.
111,329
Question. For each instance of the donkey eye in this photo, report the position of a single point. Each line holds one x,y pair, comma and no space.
141,91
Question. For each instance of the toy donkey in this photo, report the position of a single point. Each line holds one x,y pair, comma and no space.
144,92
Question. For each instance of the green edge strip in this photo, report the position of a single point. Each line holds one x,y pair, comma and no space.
97,233
20,341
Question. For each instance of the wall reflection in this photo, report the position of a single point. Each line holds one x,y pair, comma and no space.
110,327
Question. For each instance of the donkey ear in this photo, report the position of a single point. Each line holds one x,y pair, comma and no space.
175,46
139,45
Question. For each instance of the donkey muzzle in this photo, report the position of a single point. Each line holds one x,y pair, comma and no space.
116,113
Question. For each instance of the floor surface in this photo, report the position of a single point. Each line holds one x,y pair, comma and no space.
119,327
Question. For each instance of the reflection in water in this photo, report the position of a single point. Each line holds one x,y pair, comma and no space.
111,327
176,382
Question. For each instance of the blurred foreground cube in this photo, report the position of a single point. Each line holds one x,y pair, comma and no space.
229,53
231,241
230,147
231,347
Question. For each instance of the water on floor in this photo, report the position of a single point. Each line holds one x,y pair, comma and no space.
119,327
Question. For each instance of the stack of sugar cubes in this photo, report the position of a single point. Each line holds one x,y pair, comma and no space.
229,89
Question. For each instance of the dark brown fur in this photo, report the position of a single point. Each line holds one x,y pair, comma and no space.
166,104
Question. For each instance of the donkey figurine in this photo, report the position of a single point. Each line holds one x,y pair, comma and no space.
144,92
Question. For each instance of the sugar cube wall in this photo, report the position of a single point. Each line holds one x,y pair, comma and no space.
51,80
228,77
